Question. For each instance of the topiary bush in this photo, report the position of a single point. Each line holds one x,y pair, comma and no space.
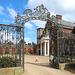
8,62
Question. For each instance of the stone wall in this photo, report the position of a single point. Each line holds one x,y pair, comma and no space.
11,71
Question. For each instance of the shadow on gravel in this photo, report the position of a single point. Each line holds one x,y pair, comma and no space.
72,70
39,64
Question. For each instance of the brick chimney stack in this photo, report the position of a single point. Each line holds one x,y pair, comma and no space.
59,17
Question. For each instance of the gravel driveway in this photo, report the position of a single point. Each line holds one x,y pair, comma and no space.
42,67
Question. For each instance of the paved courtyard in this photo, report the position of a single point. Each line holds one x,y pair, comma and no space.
42,67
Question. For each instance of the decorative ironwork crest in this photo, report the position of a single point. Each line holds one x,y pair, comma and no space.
40,13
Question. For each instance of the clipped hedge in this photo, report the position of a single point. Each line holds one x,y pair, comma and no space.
8,62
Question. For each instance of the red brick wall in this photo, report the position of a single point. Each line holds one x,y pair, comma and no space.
67,31
34,50
13,50
55,41
24,49
1,50
30,50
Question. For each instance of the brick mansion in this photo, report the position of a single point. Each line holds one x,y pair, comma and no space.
43,45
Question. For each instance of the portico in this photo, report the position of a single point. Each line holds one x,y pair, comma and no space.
45,46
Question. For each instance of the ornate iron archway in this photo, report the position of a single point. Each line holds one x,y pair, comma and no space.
40,13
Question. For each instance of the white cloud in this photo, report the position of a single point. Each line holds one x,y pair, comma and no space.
31,32
12,12
5,20
1,11
68,3
62,7
39,23
28,40
5,36
29,26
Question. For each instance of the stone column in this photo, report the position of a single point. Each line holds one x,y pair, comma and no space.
41,48
48,47
45,49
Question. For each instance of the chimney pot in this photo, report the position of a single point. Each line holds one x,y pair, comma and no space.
59,17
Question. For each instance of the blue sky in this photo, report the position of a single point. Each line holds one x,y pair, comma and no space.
9,9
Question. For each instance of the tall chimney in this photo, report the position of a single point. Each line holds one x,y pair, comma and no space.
59,17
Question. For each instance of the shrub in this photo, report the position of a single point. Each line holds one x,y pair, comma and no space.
24,52
1,53
7,62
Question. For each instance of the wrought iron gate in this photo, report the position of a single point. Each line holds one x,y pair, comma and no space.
11,43
62,45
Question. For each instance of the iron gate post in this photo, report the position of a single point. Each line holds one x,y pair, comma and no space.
23,47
